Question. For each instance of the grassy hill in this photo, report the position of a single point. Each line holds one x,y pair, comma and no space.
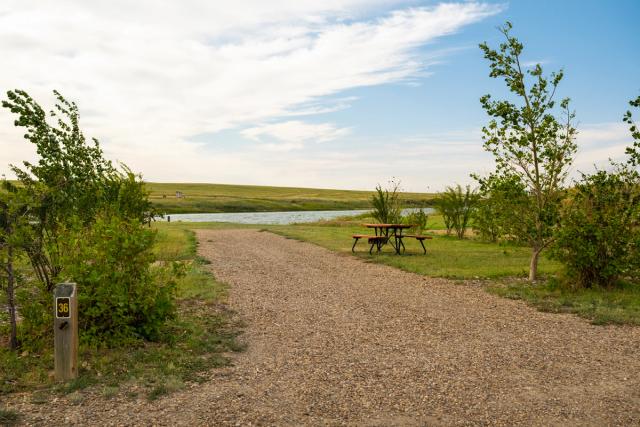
253,198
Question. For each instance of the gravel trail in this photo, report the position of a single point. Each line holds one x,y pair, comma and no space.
334,340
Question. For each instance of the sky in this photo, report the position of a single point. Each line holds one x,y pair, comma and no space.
330,94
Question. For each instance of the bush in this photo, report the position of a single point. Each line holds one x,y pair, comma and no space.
386,204
456,207
486,221
500,210
34,331
83,221
418,219
599,238
118,297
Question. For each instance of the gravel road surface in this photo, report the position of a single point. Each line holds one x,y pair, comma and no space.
334,340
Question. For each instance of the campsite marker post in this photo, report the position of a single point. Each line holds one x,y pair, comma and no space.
65,326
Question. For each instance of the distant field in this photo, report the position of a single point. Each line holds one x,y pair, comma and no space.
253,198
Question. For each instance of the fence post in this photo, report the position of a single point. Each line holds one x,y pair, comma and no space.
65,326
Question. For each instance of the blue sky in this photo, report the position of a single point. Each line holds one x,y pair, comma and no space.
597,43
334,94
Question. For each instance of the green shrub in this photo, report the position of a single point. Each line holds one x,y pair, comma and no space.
456,207
486,221
499,213
119,297
418,220
34,330
599,239
386,204
8,417
76,217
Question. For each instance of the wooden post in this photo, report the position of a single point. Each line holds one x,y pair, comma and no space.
65,326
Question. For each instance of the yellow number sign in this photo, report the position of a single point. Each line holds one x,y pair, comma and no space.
62,308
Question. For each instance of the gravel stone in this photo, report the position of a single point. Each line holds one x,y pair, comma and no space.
335,340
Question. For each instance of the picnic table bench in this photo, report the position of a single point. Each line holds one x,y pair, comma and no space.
388,233
420,239
372,240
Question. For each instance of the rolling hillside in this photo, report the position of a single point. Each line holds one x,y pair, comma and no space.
251,198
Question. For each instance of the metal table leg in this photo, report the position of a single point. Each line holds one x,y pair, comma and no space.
353,248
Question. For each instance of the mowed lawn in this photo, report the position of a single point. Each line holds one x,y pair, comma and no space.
251,198
446,256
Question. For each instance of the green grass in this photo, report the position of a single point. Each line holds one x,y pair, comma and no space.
619,305
21,371
446,256
252,198
191,345
163,226
174,244
8,417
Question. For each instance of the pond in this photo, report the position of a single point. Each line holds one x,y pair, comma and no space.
280,218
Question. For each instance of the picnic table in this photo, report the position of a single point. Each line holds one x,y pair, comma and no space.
388,233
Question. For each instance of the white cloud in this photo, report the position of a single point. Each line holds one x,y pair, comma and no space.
149,75
327,106
295,132
531,64
599,142
444,158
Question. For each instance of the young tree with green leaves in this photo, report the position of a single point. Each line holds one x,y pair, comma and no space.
528,142
418,220
85,224
13,224
634,150
66,183
599,242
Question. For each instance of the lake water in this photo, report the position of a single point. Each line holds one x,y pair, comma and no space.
281,218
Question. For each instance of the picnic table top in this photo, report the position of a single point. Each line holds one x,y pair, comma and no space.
387,225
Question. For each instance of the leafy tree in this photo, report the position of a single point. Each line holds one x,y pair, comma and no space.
485,219
13,234
634,150
66,183
444,207
85,224
456,207
528,142
386,204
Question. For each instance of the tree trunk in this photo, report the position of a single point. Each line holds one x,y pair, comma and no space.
11,301
533,265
